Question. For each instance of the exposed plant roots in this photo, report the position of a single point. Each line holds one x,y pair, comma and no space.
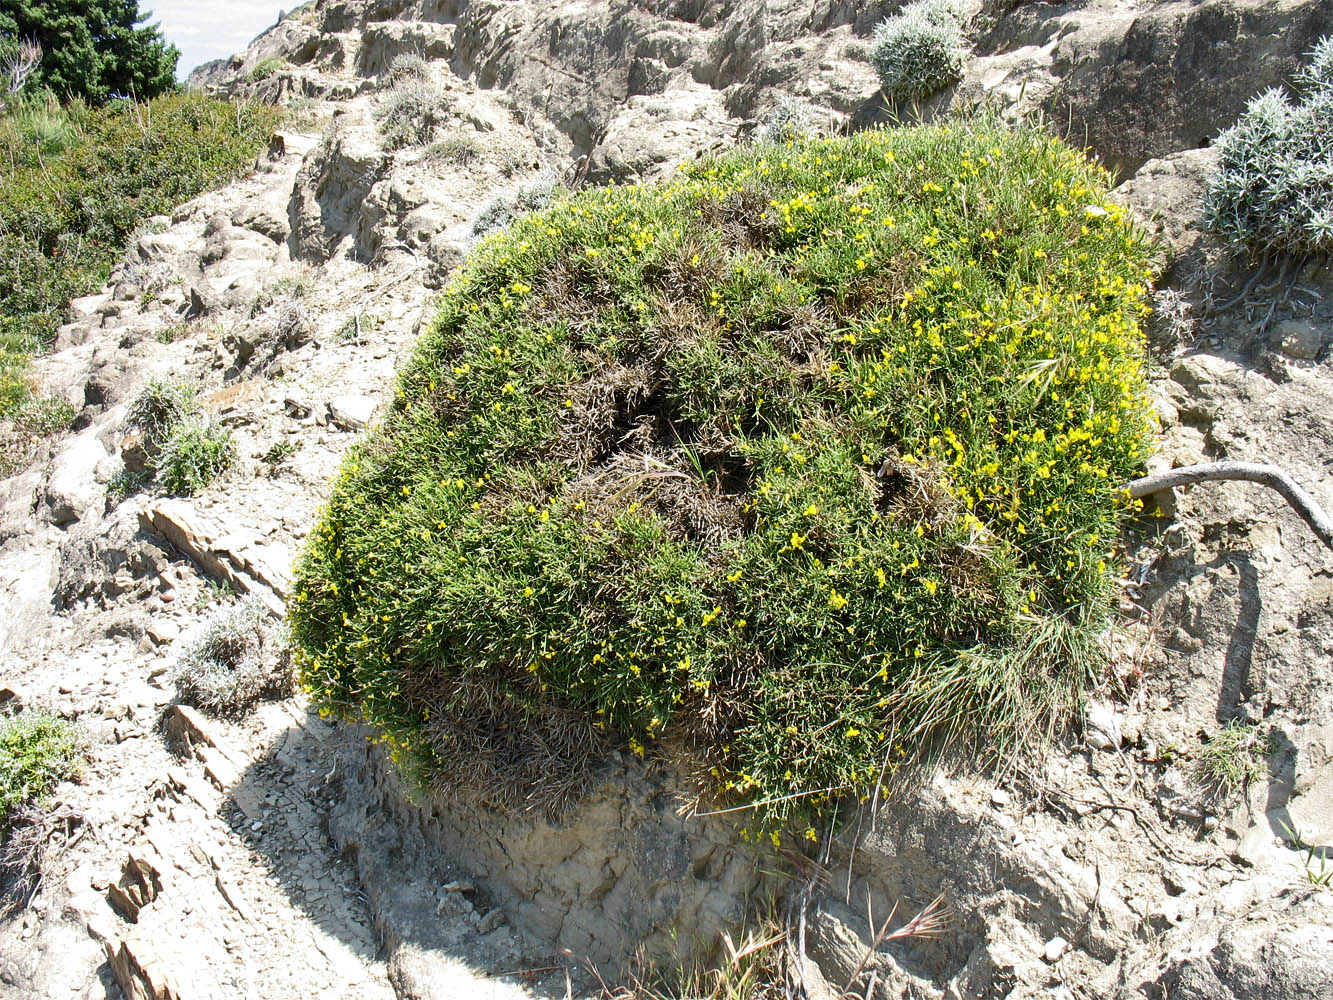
1252,472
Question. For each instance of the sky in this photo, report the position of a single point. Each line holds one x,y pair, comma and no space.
204,29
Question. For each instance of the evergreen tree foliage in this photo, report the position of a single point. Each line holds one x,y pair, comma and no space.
95,49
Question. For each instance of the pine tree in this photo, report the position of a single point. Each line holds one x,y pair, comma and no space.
94,49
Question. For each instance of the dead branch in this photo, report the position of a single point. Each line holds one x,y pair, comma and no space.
1251,472
19,63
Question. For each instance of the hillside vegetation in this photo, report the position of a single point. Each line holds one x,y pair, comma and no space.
801,467
77,181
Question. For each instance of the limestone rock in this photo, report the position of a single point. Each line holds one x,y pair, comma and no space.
1299,338
352,412
238,558
1258,961
72,487
139,971
1102,726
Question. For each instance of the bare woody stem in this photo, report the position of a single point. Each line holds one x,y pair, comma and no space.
1251,472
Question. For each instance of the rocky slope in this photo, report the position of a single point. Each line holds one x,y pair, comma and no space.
276,857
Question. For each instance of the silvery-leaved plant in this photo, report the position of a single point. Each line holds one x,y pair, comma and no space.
1273,189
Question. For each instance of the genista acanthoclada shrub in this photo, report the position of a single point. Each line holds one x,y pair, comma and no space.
799,468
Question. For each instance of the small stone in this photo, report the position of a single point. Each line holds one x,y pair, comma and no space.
163,631
999,797
1055,949
167,596
296,408
459,885
490,921
1102,728
351,412
1299,338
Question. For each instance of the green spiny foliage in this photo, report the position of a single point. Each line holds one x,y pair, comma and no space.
186,451
807,465
76,183
37,750
1273,189
919,50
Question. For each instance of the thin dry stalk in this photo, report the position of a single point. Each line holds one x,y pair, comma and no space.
932,921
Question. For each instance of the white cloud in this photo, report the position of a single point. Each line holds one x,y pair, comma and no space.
204,31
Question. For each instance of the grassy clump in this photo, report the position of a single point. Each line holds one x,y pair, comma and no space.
1273,189
1231,758
241,656
30,425
186,451
37,750
459,149
266,68
807,464
77,182
919,50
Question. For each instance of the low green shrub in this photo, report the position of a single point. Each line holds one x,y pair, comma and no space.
31,423
806,465
195,453
241,656
76,184
1273,189
266,68
186,451
160,406
918,50
37,750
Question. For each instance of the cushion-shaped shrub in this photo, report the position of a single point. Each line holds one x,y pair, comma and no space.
803,466
1273,189
918,50
241,656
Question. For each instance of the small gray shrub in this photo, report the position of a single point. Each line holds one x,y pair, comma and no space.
789,121
411,114
240,657
1273,189
160,406
919,50
409,66
505,207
